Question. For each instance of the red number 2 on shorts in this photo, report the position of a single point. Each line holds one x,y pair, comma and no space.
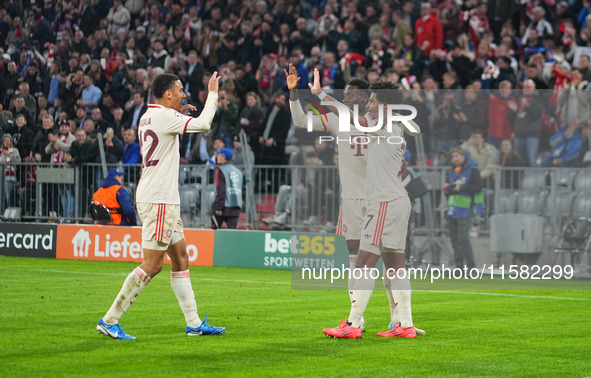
143,138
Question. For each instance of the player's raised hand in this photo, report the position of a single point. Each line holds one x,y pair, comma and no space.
188,107
214,82
291,78
316,89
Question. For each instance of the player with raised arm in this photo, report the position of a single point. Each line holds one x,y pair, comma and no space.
385,223
352,167
352,158
158,203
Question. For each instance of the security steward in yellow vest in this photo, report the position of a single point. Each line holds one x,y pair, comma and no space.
116,199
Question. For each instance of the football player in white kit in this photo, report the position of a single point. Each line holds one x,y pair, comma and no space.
386,216
158,203
352,158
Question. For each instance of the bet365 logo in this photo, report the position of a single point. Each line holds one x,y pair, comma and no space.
301,244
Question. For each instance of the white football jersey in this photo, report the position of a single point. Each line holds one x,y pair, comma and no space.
352,156
384,163
158,132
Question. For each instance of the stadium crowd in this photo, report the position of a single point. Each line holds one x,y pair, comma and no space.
506,79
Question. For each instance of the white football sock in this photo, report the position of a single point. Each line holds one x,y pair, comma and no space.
352,262
181,285
402,294
362,290
394,317
132,287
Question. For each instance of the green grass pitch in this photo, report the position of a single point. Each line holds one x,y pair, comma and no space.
50,309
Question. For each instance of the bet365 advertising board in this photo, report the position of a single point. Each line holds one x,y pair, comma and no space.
279,250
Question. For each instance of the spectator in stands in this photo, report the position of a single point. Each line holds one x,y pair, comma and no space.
193,75
131,150
501,108
464,191
30,101
225,121
79,149
528,123
277,125
472,115
112,146
80,153
88,127
118,18
534,75
118,124
411,56
100,124
91,95
331,76
269,76
508,157
506,73
228,183
18,107
566,145
8,157
584,68
399,32
428,31
22,135
450,82
485,154
11,78
58,146
460,64
252,120
446,126
115,198
241,153
377,56
136,108
573,100
71,89
538,23
38,152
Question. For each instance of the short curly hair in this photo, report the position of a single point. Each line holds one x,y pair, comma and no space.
386,92
162,83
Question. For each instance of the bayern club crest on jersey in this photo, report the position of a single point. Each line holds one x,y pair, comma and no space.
344,228
169,233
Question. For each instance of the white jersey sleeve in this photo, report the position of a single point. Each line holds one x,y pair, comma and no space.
300,119
181,123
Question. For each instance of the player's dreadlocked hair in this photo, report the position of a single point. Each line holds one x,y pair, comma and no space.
162,83
386,92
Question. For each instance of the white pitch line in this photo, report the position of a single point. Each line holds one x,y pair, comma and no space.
289,283
507,295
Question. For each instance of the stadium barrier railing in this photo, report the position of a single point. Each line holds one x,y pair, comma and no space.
308,194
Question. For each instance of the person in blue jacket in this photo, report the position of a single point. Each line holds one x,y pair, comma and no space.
464,194
566,145
131,151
